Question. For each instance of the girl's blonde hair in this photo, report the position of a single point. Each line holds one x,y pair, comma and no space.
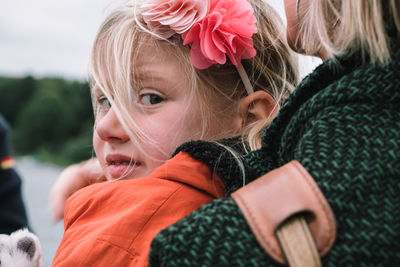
123,33
348,26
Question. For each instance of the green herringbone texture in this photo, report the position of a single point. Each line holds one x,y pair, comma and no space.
197,231
343,125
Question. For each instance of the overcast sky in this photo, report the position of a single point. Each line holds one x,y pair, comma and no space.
48,37
53,37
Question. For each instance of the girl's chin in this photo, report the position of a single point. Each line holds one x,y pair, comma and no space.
121,171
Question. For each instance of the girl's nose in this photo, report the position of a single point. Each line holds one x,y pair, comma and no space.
110,129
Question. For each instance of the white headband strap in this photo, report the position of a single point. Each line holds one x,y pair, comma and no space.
245,78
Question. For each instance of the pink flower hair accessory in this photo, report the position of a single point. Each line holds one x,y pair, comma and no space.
215,29
168,17
225,31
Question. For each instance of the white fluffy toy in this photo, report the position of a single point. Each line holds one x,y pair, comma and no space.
20,249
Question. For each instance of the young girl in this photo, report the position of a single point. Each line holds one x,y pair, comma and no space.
164,73
342,124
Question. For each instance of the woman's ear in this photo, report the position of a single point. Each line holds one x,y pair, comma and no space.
257,106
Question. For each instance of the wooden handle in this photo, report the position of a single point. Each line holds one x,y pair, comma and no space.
297,243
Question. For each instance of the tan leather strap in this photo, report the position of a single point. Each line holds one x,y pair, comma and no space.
273,199
297,243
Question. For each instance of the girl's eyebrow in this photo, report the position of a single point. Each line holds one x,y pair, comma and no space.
96,90
160,80
157,75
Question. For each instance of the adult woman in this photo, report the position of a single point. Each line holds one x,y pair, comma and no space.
342,124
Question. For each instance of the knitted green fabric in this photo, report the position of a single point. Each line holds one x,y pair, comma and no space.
343,125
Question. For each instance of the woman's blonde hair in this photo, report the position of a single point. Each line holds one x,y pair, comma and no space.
348,26
123,34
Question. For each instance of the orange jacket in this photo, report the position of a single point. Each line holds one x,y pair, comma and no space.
113,223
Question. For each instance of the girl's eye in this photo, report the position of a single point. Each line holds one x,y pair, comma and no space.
104,103
150,99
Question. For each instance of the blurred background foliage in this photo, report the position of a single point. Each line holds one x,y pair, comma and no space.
50,118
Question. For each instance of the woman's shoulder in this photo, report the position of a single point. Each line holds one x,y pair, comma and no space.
340,82
349,81
334,94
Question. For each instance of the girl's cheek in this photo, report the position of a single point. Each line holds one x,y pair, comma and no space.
97,145
163,147
98,150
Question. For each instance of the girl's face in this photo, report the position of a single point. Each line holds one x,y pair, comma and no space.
161,111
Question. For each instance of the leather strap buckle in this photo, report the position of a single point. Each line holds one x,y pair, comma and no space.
277,196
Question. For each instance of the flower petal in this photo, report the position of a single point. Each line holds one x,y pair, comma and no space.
178,15
215,29
197,57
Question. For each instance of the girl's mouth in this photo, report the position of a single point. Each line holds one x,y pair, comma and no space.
122,163
120,167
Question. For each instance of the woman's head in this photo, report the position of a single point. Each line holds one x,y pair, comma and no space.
137,77
327,28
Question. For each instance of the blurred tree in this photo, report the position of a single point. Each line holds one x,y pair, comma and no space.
15,93
79,95
80,147
45,121
50,117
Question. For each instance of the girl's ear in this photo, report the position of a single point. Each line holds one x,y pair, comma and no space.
257,106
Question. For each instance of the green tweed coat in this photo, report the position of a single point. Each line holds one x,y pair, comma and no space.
342,124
